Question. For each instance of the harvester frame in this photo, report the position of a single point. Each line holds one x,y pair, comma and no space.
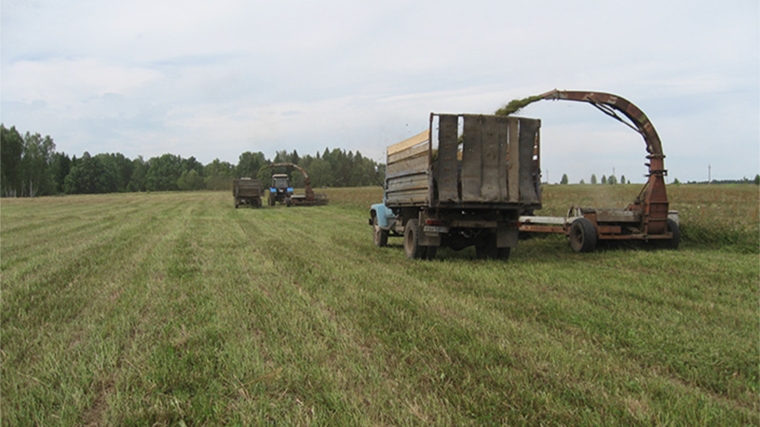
647,218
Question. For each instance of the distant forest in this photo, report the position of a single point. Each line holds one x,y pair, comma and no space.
30,167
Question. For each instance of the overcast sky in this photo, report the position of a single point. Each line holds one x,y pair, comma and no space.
213,79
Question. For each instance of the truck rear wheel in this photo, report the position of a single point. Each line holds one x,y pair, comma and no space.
582,235
412,247
487,249
379,235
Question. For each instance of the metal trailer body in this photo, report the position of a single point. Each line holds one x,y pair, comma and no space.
648,218
462,182
247,191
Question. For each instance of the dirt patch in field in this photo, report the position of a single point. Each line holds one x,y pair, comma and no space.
94,415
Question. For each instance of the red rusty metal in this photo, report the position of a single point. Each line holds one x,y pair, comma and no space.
652,202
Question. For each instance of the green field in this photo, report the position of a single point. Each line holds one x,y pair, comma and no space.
176,309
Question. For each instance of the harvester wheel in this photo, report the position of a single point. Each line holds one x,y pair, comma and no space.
676,230
582,235
412,247
380,236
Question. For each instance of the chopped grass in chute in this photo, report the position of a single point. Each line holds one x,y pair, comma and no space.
516,105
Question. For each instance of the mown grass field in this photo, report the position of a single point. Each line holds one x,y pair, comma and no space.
176,309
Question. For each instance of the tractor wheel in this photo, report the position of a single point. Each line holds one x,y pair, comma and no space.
582,235
379,235
412,247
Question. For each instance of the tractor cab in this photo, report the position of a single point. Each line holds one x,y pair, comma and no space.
280,190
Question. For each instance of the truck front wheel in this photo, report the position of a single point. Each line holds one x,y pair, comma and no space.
412,247
379,235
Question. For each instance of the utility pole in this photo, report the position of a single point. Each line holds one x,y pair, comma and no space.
709,173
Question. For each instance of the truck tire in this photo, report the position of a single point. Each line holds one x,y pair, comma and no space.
412,247
430,252
582,235
487,249
379,235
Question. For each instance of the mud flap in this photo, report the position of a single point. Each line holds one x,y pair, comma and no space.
429,239
506,236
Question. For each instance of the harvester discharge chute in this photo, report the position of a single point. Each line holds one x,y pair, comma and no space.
647,217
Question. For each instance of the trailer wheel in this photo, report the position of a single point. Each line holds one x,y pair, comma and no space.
379,235
412,247
236,203
582,235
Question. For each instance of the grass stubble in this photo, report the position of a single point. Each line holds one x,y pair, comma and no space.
176,309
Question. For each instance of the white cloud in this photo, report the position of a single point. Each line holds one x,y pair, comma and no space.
214,79
70,81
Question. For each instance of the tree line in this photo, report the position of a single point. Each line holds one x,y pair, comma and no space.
30,167
612,180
